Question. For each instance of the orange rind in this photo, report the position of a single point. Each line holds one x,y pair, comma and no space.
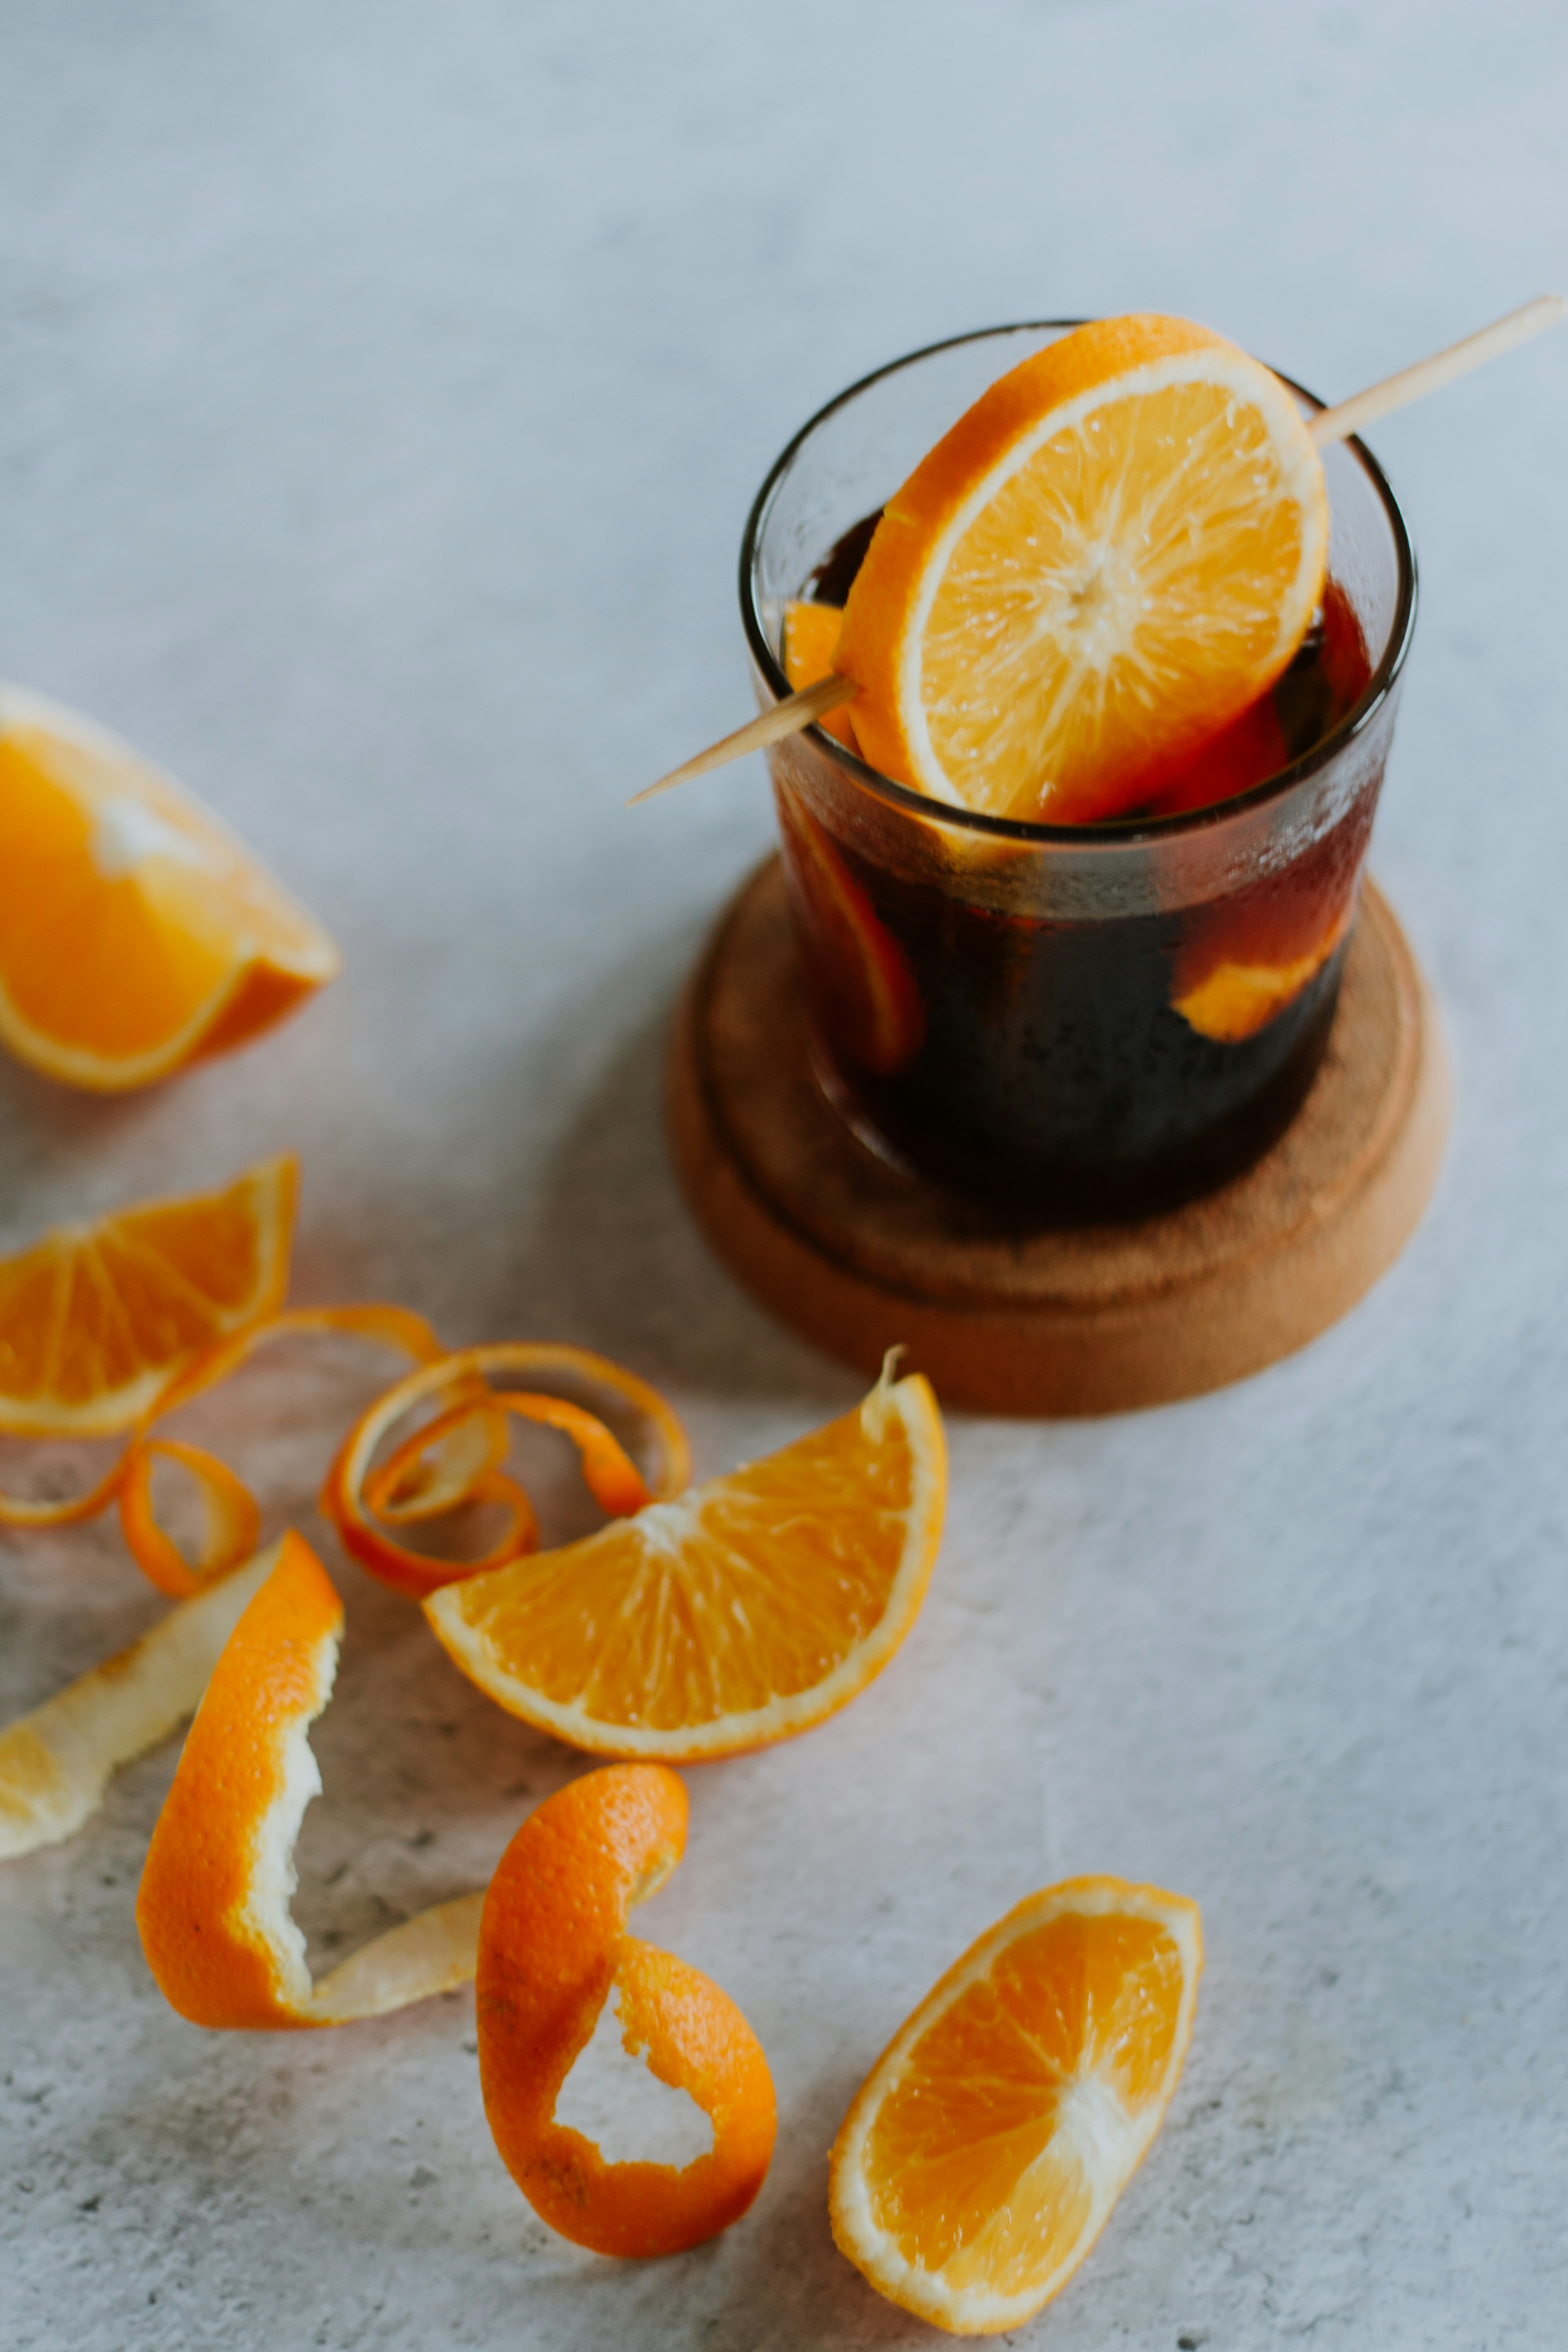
356,1492
740,1612
983,2153
56,1763
553,1950
137,933
213,1909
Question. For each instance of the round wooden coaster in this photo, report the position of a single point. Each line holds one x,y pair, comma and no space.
1093,1319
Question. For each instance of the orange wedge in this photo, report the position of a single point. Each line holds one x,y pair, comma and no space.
96,1319
810,641
136,932
858,976
742,1612
553,1950
1108,557
983,2152
213,1909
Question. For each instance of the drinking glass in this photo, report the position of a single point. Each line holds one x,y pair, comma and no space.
1069,1022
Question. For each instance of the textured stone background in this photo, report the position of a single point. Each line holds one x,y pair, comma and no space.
382,390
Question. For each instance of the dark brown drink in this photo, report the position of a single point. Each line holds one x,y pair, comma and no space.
1085,1069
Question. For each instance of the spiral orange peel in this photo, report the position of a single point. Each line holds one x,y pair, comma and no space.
552,1949
213,1909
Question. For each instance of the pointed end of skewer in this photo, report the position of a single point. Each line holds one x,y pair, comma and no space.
786,718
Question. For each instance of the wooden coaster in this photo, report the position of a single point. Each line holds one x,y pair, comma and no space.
1087,1320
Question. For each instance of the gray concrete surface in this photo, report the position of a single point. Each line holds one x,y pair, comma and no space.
382,390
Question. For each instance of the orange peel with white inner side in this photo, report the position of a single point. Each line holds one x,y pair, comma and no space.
213,1907
553,1950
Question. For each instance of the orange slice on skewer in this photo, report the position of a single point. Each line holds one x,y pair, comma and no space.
553,1950
983,2153
136,932
1108,557
96,1319
740,1612
810,640
213,1909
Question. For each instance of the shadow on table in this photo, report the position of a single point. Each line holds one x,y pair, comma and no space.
614,1250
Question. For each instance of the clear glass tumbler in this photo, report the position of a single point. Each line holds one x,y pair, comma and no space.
1069,1022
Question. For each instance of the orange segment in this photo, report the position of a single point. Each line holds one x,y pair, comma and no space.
742,1612
136,932
213,1909
1108,557
810,641
553,1950
96,1319
983,2154
1237,998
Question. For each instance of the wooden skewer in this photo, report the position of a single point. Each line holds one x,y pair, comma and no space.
1329,424
786,718
1430,374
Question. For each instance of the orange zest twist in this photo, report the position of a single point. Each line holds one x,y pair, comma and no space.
213,1907
452,1460
402,1487
552,1949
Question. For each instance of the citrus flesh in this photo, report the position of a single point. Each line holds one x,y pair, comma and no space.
136,932
1113,553
983,2153
740,1612
96,1319
810,641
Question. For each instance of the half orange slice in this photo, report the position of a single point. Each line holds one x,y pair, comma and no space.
740,1612
1108,557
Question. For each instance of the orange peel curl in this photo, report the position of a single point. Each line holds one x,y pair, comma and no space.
213,1907
552,1949
355,1492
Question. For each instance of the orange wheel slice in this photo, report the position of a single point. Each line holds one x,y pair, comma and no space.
97,1319
983,2152
810,641
742,1612
212,1910
553,1950
1113,553
136,932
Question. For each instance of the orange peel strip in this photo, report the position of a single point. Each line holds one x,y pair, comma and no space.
349,1494
213,1907
233,1520
56,1762
553,1947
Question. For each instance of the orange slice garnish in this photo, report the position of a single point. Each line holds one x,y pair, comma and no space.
1237,997
857,974
96,1319
740,1612
553,1950
1108,557
984,2151
136,932
810,641
213,1909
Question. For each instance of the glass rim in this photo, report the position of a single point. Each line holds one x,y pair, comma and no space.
1117,831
